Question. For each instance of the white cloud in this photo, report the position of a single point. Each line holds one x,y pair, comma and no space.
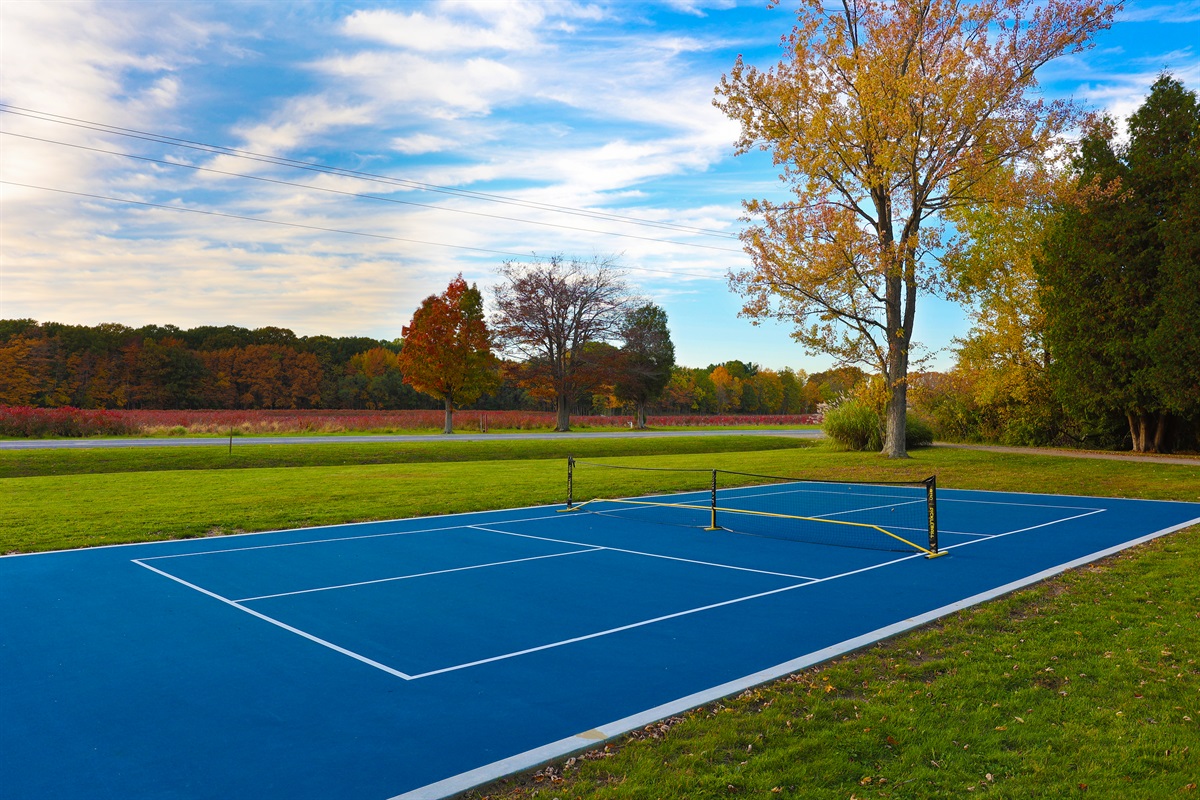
300,121
1168,13
419,143
424,87
505,26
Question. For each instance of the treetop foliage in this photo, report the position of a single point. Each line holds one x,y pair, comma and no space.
884,116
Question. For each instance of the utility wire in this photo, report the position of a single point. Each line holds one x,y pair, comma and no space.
364,196
280,161
314,227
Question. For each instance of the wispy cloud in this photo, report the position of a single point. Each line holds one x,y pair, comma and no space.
1167,13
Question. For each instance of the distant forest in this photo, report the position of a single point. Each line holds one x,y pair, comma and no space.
112,366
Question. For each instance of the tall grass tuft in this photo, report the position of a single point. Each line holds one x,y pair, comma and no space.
854,425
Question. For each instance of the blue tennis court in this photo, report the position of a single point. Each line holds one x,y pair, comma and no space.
418,658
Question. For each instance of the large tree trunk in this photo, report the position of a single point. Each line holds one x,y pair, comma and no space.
895,444
640,415
448,426
900,322
563,422
1150,432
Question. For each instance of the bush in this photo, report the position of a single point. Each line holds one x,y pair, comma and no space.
917,432
856,426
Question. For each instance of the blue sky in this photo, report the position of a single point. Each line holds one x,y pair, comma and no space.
549,108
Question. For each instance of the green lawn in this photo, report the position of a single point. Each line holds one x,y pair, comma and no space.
1085,685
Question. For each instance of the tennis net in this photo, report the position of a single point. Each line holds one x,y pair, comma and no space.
879,515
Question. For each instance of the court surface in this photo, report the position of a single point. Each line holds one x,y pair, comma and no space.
417,658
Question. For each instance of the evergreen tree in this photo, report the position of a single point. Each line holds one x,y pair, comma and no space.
1118,276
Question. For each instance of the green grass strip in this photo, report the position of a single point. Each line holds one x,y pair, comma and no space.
31,463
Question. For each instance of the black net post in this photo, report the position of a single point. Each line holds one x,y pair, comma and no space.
712,525
570,478
931,495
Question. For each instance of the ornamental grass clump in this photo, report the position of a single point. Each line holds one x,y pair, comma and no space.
855,425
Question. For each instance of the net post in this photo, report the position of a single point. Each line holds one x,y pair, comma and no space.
570,479
931,501
712,526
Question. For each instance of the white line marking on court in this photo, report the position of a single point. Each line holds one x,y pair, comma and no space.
416,575
922,501
649,555
598,634
1019,505
989,537
659,619
276,622
336,539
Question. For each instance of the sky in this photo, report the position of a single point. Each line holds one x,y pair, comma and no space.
452,136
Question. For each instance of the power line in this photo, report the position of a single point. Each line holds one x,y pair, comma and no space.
244,218
362,196
287,162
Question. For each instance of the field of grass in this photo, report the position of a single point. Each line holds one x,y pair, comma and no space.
1085,685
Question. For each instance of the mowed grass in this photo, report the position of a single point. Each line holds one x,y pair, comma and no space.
1087,685
78,460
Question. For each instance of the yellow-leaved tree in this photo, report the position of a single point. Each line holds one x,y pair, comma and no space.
884,116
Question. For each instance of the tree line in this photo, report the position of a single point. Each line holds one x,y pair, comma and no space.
51,364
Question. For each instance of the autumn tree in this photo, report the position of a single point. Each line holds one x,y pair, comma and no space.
727,390
1119,275
447,350
1002,363
548,312
18,385
646,358
883,116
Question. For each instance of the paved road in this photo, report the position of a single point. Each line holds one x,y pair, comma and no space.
83,444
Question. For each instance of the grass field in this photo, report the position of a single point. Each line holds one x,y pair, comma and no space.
1085,685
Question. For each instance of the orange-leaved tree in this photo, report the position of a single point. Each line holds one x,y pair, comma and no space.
884,116
447,350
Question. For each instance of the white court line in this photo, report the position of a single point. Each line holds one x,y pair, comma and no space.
650,555
1019,505
989,537
276,622
922,501
336,539
598,634
659,619
416,575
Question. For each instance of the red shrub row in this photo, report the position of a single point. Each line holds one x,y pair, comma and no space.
28,422
37,423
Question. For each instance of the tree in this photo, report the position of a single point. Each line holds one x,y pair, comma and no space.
884,116
727,390
18,386
548,311
447,350
1118,275
1002,364
646,359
